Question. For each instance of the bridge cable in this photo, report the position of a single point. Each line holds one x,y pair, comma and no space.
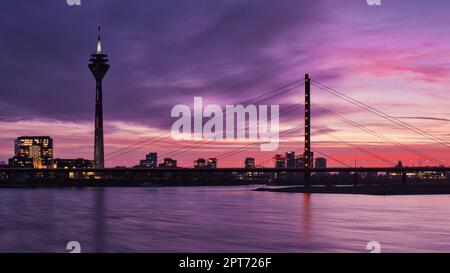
294,83
372,132
381,114
192,147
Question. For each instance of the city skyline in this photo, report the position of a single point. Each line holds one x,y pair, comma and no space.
37,152
413,66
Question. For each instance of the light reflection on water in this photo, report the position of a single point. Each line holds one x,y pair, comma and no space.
218,219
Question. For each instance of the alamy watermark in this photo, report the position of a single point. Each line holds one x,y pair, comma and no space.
237,122
374,2
373,247
74,247
73,2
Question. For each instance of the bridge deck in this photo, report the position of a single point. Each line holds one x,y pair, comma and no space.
232,170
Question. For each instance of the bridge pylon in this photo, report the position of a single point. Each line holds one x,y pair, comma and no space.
307,155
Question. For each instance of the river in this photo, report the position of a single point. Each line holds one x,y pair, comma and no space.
218,219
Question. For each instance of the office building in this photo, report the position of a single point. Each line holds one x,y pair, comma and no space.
200,163
150,161
290,160
249,162
280,161
168,163
321,163
212,163
38,149
20,162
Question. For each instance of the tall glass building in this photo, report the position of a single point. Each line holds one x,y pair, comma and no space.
35,149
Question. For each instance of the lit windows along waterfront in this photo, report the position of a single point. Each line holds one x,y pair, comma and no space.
203,163
32,152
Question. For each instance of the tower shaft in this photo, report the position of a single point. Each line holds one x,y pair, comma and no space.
99,153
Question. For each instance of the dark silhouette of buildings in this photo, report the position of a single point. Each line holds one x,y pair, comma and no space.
200,163
78,163
320,163
290,159
168,163
20,162
249,162
99,66
280,161
150,161
212,163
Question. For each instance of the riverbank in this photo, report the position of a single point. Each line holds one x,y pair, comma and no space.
128,184
366,190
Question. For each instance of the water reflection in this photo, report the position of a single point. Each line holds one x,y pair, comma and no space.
306,217
218,219
99,220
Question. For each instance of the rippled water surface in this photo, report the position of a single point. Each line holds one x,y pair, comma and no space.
218,219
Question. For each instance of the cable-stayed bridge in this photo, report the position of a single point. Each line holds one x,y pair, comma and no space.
306,83
435,164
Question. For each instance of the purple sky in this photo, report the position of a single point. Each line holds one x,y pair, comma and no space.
395,57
